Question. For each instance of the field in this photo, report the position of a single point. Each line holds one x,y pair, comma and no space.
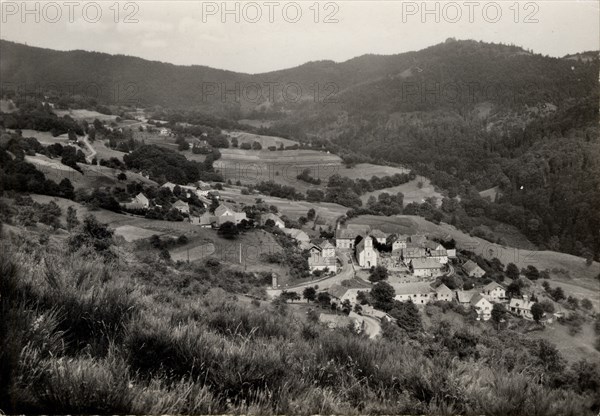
411,190
81,114
202,242
256,123
45,137
265,141
326,212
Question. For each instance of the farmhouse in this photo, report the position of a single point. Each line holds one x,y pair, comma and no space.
464,296
411,252
278,221
205,220
224,213
398,243
322,257
472,269
366,254
482,306
139,202
425,267
418,240
379,235
344,238
182,207
300,236
342,294
419,293
521,307
443,293
494,292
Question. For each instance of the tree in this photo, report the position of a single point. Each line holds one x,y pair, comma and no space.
122,177
362,297
256,146
407,316
586,304
512,271
532,273
537,311
498,312
65,189
383,296
572,302
324,299
378,274
310,294
558,294
548,306
311,214
228,230
72,221
513,290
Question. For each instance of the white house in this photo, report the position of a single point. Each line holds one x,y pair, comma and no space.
521,307
472,269
398,244
344,238
139,202
443,293
322,257
300,236
482,306
163,131
379,235
419,293
366,255
270,216
182,207
224,213
426,267
494,292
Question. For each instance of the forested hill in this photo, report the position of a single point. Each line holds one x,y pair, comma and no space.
387,83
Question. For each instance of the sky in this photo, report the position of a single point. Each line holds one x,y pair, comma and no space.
262,36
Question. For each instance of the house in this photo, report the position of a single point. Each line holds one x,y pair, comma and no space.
443,293
419,293
411,252
398,243
344,238
322,257
368,310
205,220
521,307
342,293
418,240
464,297
163,131
366,254
335,321
139,202
203,186
451,253
494,292
278,221
379,235
440,255
425,267
182,207
472,269
300,236
482,306
224,213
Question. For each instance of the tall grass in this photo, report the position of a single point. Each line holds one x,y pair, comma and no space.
86,337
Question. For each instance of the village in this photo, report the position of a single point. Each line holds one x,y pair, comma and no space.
415,266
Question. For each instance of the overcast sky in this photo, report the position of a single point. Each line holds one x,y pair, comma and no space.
273,35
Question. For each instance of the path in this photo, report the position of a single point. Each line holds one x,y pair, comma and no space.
89,158
372,326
